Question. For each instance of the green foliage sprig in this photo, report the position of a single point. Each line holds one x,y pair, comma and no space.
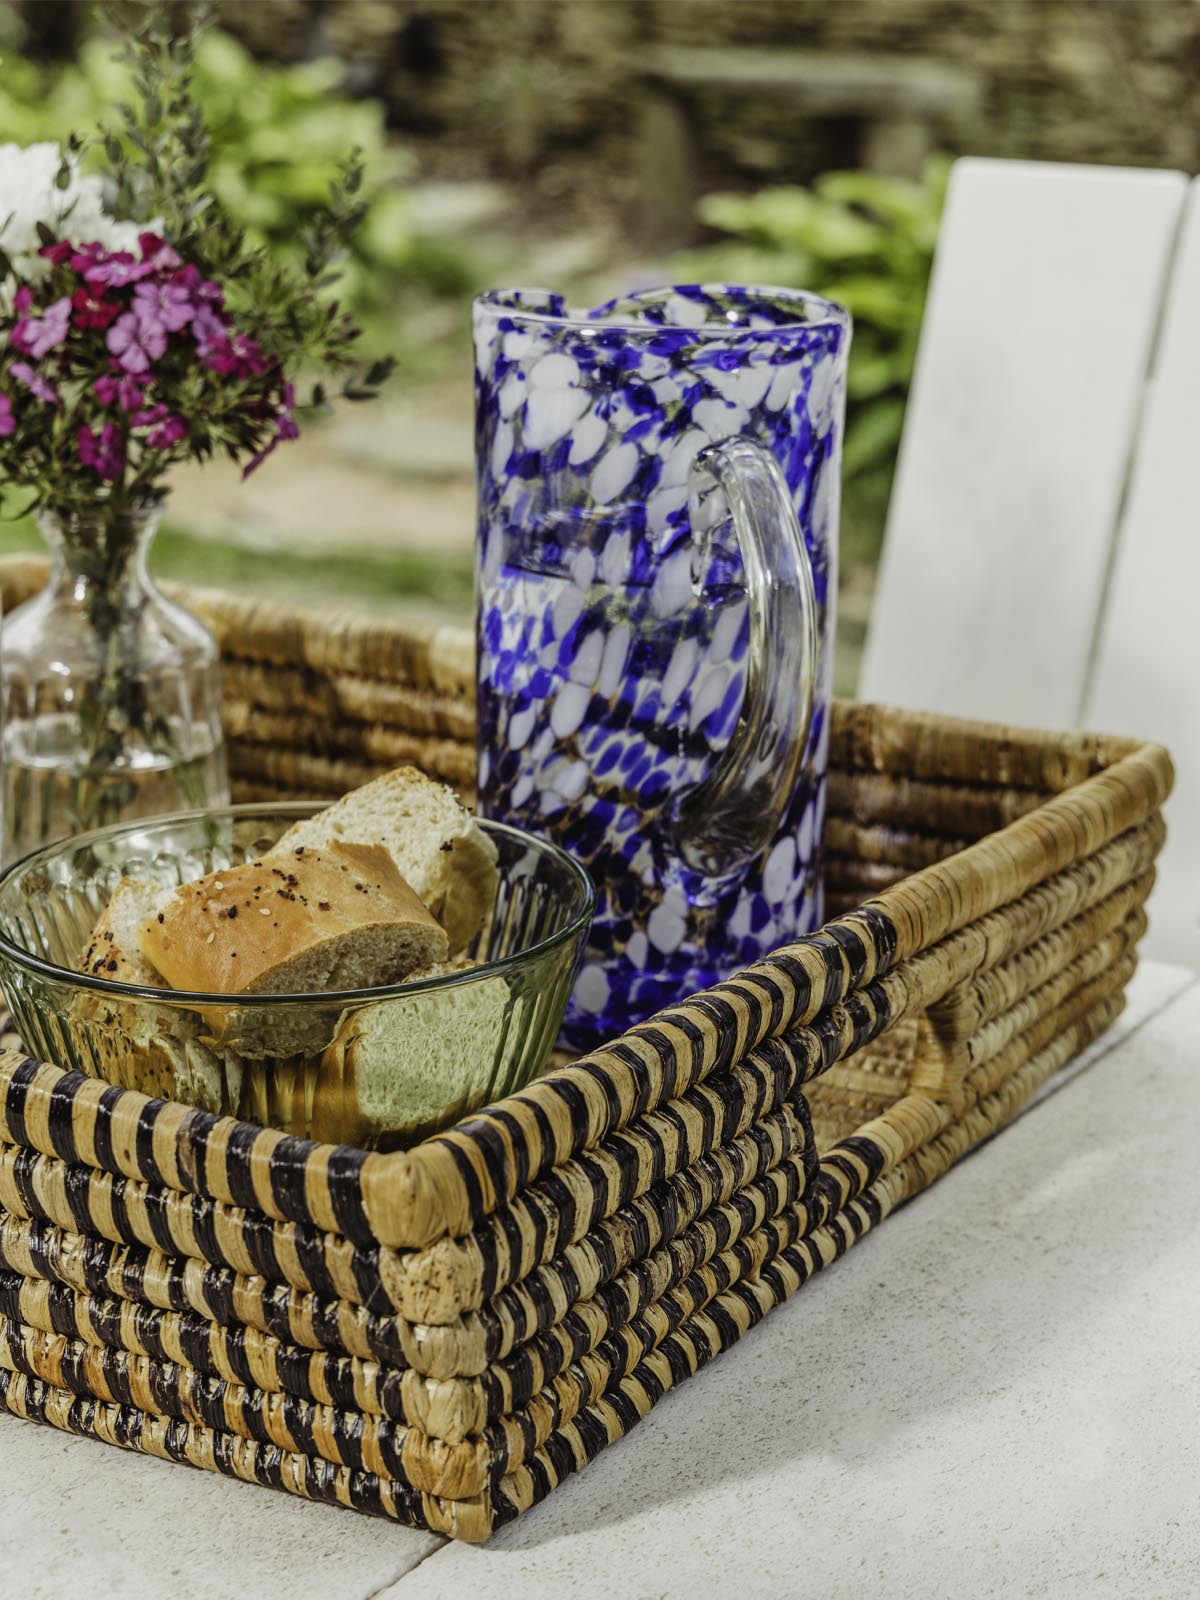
867,242
281,295
273,132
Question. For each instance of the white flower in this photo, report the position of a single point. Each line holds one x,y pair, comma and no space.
29,194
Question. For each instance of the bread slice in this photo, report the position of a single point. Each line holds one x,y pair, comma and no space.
400,1069
436,844
112,951
137,1044
341,918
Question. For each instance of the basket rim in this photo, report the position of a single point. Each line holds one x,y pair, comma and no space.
443,1187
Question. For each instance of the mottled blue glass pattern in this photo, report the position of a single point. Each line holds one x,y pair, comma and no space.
612,663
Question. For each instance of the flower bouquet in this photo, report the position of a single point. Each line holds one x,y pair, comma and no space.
138,328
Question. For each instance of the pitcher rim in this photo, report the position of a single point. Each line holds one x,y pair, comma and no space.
834,315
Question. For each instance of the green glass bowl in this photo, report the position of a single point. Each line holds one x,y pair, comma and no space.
376,1068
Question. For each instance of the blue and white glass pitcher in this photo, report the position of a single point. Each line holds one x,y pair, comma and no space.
657,558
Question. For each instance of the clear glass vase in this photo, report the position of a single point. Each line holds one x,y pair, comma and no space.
111,692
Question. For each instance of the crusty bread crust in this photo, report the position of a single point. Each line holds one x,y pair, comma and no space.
342,918
112,951
434,841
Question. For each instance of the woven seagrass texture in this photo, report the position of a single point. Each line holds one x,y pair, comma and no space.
441,1335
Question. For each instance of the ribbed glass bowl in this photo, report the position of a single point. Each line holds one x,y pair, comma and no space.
376,1068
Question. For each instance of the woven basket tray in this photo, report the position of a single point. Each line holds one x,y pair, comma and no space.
441,1335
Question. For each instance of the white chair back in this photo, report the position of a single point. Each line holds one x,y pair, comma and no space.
1147,676
1045,295
1042,560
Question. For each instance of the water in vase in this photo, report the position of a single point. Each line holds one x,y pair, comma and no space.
46,797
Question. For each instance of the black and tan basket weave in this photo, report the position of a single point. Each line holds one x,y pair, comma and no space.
441,1335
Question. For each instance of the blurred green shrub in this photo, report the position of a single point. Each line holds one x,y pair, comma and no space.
867,242
277,133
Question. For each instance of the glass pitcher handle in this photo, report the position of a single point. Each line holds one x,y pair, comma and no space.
734,814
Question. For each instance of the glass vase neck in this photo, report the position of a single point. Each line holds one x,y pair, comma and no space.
104,548
110,694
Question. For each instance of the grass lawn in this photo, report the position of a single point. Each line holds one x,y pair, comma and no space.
409,583
364,576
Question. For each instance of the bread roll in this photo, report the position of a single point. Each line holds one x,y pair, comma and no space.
315,921
436,844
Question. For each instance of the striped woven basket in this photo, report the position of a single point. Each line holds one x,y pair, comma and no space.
441,1335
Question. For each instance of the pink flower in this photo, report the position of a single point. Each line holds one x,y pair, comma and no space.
23,299
37,336
157,254
125,391
234,356
166,430
106,454
58,253
117,269
285,428
24,373
136,343
104,271
7,420
92,311
165,305
203,291
207,327
86,256
168,433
